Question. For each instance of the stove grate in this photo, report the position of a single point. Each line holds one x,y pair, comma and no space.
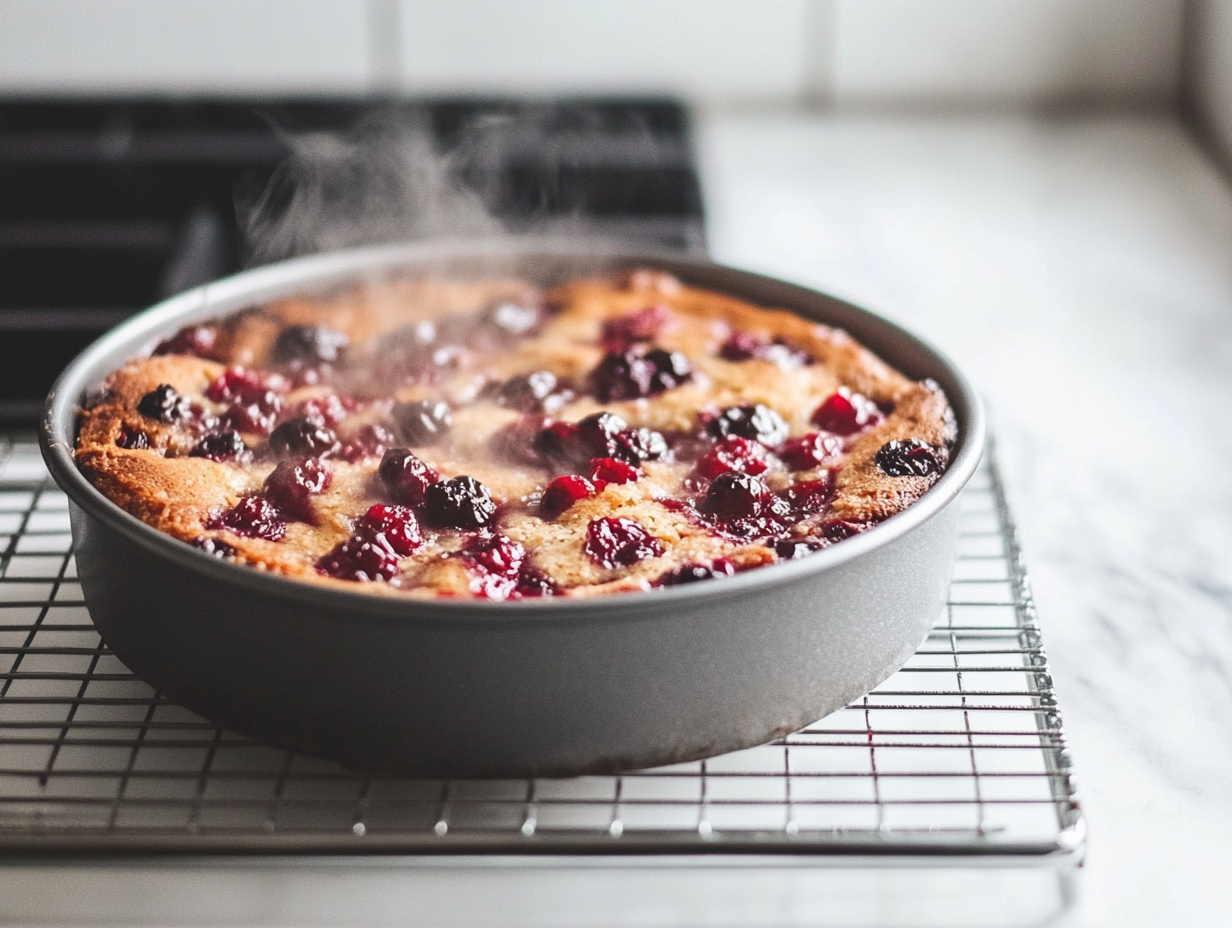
962,751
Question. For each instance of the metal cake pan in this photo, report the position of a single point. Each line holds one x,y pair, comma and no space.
456,688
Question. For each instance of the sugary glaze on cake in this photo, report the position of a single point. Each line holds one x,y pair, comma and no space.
439,438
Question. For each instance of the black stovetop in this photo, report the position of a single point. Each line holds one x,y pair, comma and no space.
109,206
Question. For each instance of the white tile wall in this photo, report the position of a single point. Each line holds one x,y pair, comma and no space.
851,52
241,46
1211,70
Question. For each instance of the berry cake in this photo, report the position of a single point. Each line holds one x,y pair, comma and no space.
488,439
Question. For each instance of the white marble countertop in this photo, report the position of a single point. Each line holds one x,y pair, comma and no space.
1080,270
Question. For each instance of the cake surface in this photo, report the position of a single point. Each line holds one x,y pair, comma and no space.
489,439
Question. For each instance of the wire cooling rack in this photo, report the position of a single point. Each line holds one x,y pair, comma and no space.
962,751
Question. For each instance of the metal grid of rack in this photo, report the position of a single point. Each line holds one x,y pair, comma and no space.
961,751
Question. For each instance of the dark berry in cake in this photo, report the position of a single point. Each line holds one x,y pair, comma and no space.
360,559
598,432
196,340
538,391
790,549
624,375
132,438
558,444
460,502
809,451
563,492
735,497
302,437
611,470
846,412
733,454
637,445
423,422
405,476
745,346
614,542
165,404
292,484
910,458
533,583
807,498
226,445
308,345
253,517
215,547
693,573
755,422
623,332
833,530
394,526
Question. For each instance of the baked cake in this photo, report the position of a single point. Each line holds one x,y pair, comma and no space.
489,439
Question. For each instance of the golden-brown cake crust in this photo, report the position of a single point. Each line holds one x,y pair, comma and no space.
446,341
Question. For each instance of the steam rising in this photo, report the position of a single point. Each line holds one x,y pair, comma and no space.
382,181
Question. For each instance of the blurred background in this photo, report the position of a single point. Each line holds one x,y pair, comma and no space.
1041,187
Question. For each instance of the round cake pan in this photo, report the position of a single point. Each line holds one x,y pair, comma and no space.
464,688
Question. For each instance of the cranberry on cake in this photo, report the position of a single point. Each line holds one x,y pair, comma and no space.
437,438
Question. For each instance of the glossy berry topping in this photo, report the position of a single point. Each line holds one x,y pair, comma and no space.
746,346
736,497
809,451
308,345
226,445
533,583
215,547
405,476
423,422
755,422
302,437
495,553
369,441
360,559
292,484
253,517
239,384
611,470
598,432
196,340
692,573
637,445
846,412
789,549
619,542
165,404
538,391
329,409
807,498
631,374
460,502
255,418
733,455
910,458
133,439
558,444
394,526
623,332
563,492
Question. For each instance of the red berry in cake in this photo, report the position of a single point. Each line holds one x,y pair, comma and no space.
460,502
252,517
165,404
563,492
423,422
292,484
239,384
623,375
756,422
328,410
598,432
614,542
394,526
256,418
911,458
533,583
302,437
807,498
611,470
195,340
621,333
495,554
735,497
133,439
308,345
369,441
405,476
361,560
693,573
809,451
733,455
226,445
846,412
